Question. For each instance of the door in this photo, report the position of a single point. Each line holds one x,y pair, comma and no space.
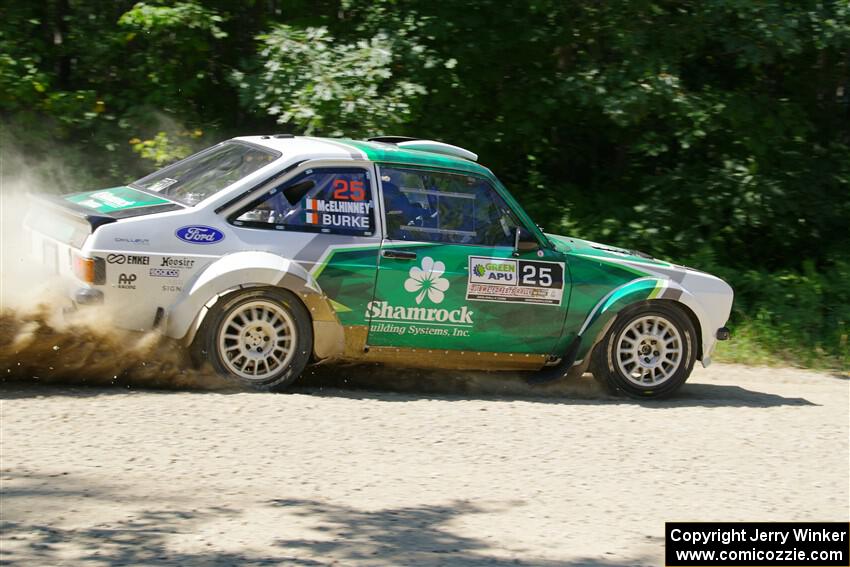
322,218
447,274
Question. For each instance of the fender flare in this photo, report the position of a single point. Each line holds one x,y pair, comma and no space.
242,270
599,320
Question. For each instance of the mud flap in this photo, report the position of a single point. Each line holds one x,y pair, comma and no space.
560,370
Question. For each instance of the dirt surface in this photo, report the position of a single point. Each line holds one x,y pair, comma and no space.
477,471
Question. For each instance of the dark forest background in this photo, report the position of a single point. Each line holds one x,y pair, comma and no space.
712,133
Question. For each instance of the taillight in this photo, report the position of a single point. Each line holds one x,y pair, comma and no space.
89,270
84,268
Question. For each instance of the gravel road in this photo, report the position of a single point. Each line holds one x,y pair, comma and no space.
475,471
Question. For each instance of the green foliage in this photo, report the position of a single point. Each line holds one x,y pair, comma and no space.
315,83
173,21
713,133
163,149
792,317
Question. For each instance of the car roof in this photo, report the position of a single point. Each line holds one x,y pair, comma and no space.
297,148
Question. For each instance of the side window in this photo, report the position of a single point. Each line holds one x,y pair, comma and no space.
334,201
443,207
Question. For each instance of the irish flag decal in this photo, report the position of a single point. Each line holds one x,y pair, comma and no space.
312,217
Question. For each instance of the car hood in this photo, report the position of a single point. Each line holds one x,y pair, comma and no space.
567,245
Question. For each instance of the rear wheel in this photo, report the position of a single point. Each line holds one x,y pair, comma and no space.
649,352
260,338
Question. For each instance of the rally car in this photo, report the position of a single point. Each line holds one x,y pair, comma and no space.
265,253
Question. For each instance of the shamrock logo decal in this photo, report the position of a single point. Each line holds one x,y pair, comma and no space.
427,280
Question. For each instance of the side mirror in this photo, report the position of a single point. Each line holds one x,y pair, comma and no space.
524,241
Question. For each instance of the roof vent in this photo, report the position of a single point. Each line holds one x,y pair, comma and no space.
426,146
438,148
391,139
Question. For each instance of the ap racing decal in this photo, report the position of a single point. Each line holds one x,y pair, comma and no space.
515,281
127,281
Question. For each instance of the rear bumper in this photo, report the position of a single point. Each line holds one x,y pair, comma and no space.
87,296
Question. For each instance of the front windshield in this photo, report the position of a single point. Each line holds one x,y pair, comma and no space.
202,175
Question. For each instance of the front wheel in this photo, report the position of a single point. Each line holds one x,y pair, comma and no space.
647,353
260,338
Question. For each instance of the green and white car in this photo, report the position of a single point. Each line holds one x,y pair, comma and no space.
265,253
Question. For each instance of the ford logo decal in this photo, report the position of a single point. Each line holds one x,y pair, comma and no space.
199,234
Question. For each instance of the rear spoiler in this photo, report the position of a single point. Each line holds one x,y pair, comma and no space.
58,204
96,219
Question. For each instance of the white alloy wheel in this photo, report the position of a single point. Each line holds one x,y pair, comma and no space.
649,350
257,340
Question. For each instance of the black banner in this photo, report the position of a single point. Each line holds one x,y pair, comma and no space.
762,544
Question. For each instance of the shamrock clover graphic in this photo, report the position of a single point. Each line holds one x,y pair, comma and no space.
428,280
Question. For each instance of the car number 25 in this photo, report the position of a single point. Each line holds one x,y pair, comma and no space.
541,274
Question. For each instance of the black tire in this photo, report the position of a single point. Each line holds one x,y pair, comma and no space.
605,363
206,344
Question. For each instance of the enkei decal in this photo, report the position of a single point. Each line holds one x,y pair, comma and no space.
515,281
127,281
128,259
174,262
199,234
164,273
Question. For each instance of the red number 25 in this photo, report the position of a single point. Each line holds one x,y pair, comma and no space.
345,191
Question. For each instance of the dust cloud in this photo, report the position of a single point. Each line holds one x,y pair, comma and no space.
41,340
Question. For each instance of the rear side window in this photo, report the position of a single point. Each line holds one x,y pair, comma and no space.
434,206
327,200
204,174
